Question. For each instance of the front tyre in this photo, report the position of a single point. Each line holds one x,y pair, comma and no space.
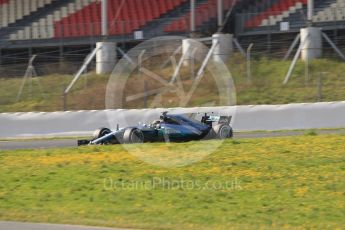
133,136
223,131
101,132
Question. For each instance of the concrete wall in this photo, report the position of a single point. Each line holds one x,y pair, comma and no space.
246,118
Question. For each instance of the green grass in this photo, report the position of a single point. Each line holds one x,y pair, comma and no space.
47,94
265,87
268,76
291,182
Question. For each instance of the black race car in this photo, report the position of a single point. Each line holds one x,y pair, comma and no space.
169,128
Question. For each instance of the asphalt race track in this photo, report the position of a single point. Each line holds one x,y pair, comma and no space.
64,143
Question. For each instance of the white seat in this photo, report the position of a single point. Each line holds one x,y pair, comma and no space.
13,36
272,20
71,8
264,22
44,27
4,13
35,30
26,8
19,9
12,13
20,35
27,32
64,12
50,26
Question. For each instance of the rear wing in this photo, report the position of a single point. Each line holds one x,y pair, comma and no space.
220,119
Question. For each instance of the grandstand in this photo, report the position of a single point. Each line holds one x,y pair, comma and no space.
55,19
260,16
60,19
64,24
42,25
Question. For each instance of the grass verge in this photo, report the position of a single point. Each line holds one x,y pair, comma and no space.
325,83
290,182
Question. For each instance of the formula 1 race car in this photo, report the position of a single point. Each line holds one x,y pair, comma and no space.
170,128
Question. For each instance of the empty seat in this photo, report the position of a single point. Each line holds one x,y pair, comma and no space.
274,13
132,15
204,12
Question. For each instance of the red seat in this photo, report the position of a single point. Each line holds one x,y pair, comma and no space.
4,1
131,16
275,9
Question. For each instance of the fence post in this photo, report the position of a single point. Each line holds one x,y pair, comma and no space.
1,61
319,88
146,94
249,72
64,98
307,72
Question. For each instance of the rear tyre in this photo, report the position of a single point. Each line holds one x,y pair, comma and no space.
101,132
223,131
133,136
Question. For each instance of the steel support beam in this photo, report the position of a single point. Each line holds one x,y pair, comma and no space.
104,17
